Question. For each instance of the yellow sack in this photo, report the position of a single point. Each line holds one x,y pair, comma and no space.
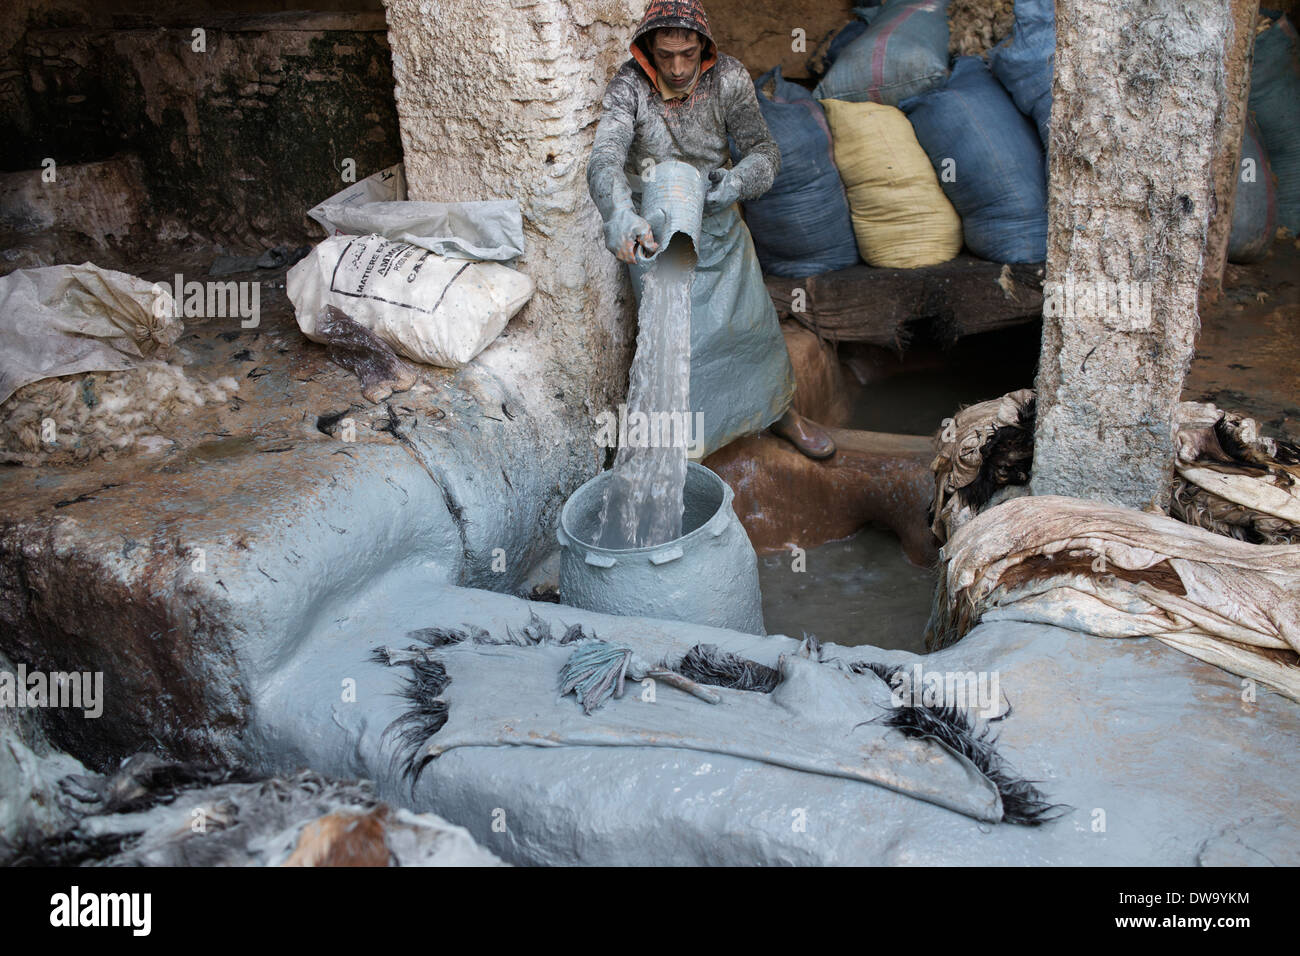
900,215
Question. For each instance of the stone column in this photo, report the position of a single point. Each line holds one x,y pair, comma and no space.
500,100
1232,123
1136,95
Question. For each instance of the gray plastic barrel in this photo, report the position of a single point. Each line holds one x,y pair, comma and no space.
672,202
707,576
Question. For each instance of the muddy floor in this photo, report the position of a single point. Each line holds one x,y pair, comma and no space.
1248,351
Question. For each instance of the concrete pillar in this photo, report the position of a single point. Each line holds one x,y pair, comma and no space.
500,101
1136,95
1238,57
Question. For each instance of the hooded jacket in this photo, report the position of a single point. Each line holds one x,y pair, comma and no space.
639,127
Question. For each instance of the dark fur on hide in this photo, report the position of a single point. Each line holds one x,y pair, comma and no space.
142,782
358,350
1022,802
536,631
427,713
1007,457
1288,452
146,780
546,593
1240,453
71,848
706,664
327,423
439,636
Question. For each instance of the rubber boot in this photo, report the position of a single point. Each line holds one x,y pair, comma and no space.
805,434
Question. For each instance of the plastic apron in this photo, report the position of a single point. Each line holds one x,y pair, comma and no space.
741,377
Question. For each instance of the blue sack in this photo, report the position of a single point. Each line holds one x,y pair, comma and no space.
1254,211
1275,101
989,162
902,53
801,226
840,42
1023,61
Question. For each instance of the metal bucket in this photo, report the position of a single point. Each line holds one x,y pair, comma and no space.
707,576
672,202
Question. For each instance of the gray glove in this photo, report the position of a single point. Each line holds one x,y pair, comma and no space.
724,192
624,230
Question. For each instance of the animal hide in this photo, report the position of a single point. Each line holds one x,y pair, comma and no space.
967,472
153,812
1228,478
820,717
1117,572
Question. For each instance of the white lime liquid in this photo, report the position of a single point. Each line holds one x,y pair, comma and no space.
643,497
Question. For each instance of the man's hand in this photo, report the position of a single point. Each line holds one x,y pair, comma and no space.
624,232
723,193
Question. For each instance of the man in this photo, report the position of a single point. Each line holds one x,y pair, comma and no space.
678,98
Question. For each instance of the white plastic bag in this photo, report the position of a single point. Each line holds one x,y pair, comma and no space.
479,229
427,307
487,229
387,185
64,319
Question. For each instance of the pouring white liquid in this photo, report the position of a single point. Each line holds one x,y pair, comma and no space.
643,498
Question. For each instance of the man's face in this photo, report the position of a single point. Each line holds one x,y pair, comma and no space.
677,58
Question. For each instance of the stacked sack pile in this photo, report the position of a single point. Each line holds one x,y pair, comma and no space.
901,156
1268,190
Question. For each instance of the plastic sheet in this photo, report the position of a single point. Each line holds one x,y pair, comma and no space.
491,230
1254,211
387,185
1275,101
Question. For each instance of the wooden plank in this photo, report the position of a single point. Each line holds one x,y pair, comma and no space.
887,306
